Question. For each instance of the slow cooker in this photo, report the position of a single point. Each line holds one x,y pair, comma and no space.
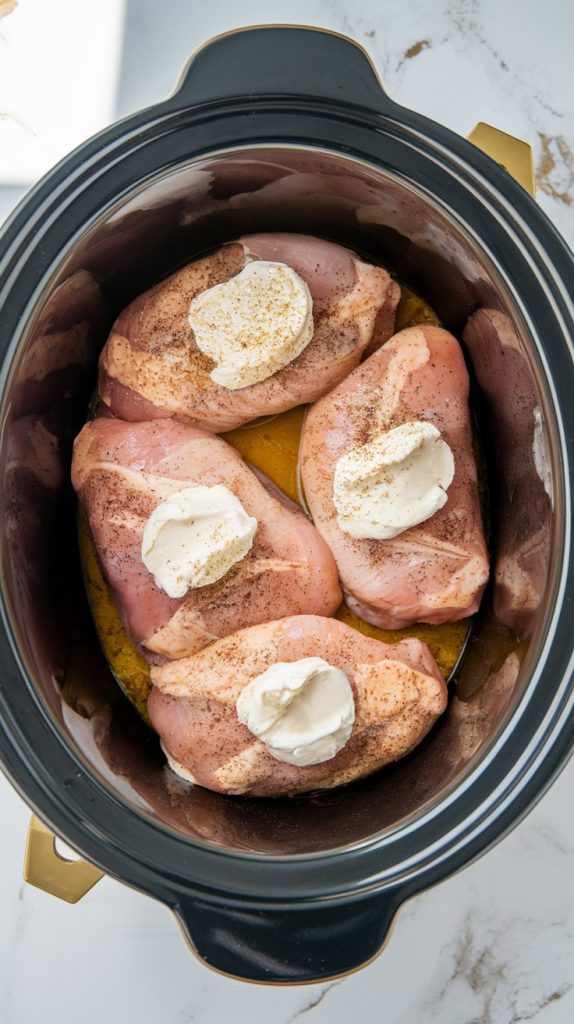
285,128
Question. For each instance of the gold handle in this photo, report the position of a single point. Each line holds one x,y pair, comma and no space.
514,154
69,880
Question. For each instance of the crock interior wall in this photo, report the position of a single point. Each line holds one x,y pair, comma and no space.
141,240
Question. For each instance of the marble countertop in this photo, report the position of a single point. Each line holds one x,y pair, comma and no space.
495,944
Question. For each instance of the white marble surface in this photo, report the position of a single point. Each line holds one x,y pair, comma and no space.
41,117
494,945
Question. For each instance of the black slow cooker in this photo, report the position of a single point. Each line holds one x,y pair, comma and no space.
277,128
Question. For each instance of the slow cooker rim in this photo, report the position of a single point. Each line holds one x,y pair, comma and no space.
113,133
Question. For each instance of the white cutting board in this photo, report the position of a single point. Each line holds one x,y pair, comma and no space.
54,90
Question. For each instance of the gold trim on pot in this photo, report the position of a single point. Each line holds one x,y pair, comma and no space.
513,154
45,868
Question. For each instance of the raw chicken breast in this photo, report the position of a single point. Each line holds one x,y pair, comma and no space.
122,471
436,571
398,692
151,367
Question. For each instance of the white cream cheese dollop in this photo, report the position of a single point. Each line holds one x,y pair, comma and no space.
393,482
195,537
302,710
254,324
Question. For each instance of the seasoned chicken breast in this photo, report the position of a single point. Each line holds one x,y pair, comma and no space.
123,471
436,571
151,366
398,693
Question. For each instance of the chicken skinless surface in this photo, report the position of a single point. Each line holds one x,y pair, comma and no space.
151,366
123,471
434,572
398,689
398,693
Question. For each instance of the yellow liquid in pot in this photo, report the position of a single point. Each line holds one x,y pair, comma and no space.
128,665
271,445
